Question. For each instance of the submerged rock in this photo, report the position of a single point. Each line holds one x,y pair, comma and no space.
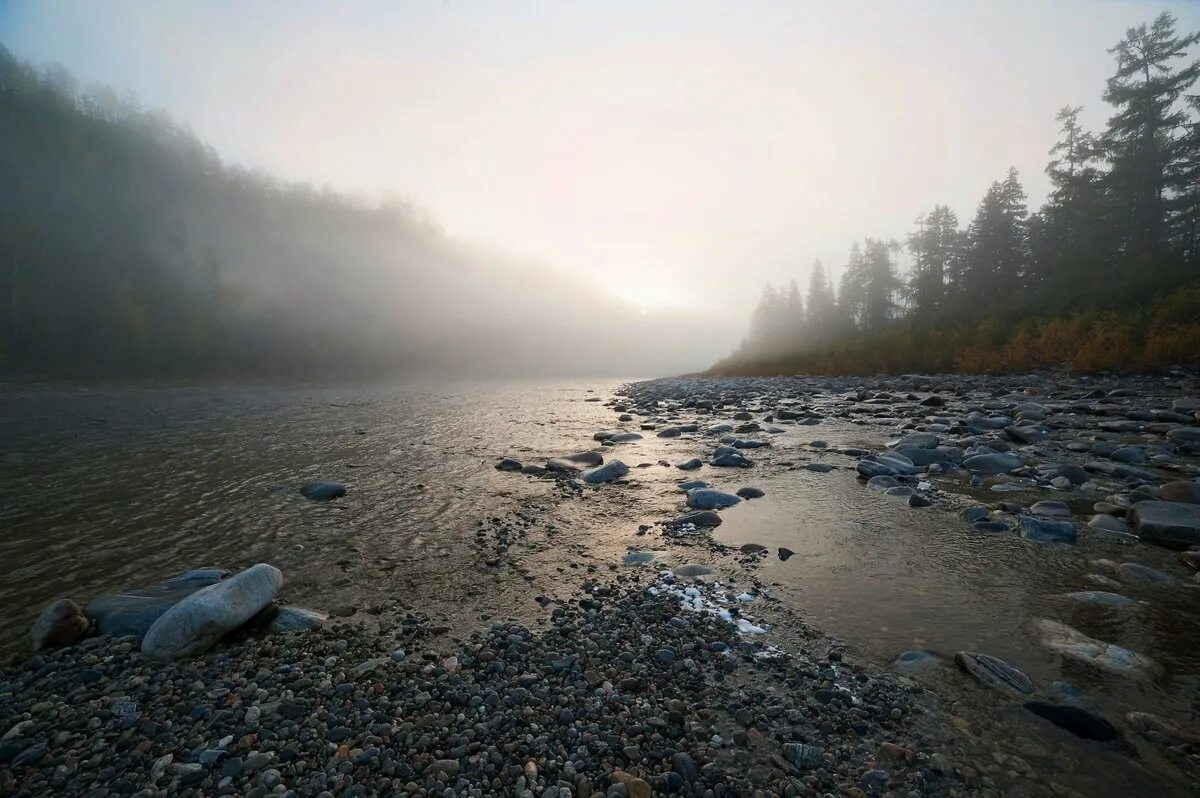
1075,645
575,462
322,491
994,672
134,610
1075,719
609,472
60,624
198,621
1040,530
751,493
296,619
1101,598
509,464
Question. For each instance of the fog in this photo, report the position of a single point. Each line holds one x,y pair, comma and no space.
587,188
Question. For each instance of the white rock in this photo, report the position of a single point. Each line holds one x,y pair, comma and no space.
198,621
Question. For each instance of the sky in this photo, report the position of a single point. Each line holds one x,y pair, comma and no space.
674,154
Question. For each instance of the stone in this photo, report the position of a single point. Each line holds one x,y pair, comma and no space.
703,518
690,465
994,672
751,493
1076,720
992,464
973,514
1101,598
1166,523
322,491
1042,531
882,482
295,619
804,756
1108,523
609,472
670,432
134,610
820,468
575,462
1181,491
60,624
198,621
634,786
692,485
509,464
1075,645
730,460
1141,573
708,499
785,553
1051,508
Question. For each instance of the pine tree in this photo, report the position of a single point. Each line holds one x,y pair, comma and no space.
822,309
880,284
935,248
1145,91
997,253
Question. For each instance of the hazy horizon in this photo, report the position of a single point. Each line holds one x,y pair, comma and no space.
678,158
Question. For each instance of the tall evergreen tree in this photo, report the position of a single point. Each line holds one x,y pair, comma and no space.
997,253
880,284
1154,71
822,309
935,247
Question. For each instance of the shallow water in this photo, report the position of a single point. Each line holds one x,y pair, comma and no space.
106,488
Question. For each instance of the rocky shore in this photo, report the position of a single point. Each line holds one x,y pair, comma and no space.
634,687
661,678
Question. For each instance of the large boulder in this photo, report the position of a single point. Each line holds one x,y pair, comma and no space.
1167,523
198,621
708,499
134,610
609,472
60,624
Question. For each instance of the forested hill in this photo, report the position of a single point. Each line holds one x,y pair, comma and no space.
127,247
1105,275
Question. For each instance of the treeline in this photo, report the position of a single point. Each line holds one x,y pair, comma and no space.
1106,274
129,248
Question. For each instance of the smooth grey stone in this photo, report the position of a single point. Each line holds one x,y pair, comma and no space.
992,464
994,672
509,464
198,621
702,518
133,611
1167,523
1141,573
751,493
708,499
609,472
1042,531
1101,598
690,465
575,462
1051,508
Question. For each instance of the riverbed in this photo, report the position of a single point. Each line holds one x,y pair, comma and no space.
113,487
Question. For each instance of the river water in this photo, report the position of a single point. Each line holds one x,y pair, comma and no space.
110,487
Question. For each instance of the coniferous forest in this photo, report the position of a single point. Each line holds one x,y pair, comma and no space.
129,248
1105,275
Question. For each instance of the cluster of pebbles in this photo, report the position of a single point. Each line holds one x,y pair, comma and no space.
631,688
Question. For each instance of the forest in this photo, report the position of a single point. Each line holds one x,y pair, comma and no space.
128,248
1104,276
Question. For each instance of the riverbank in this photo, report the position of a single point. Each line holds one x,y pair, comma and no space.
613,635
